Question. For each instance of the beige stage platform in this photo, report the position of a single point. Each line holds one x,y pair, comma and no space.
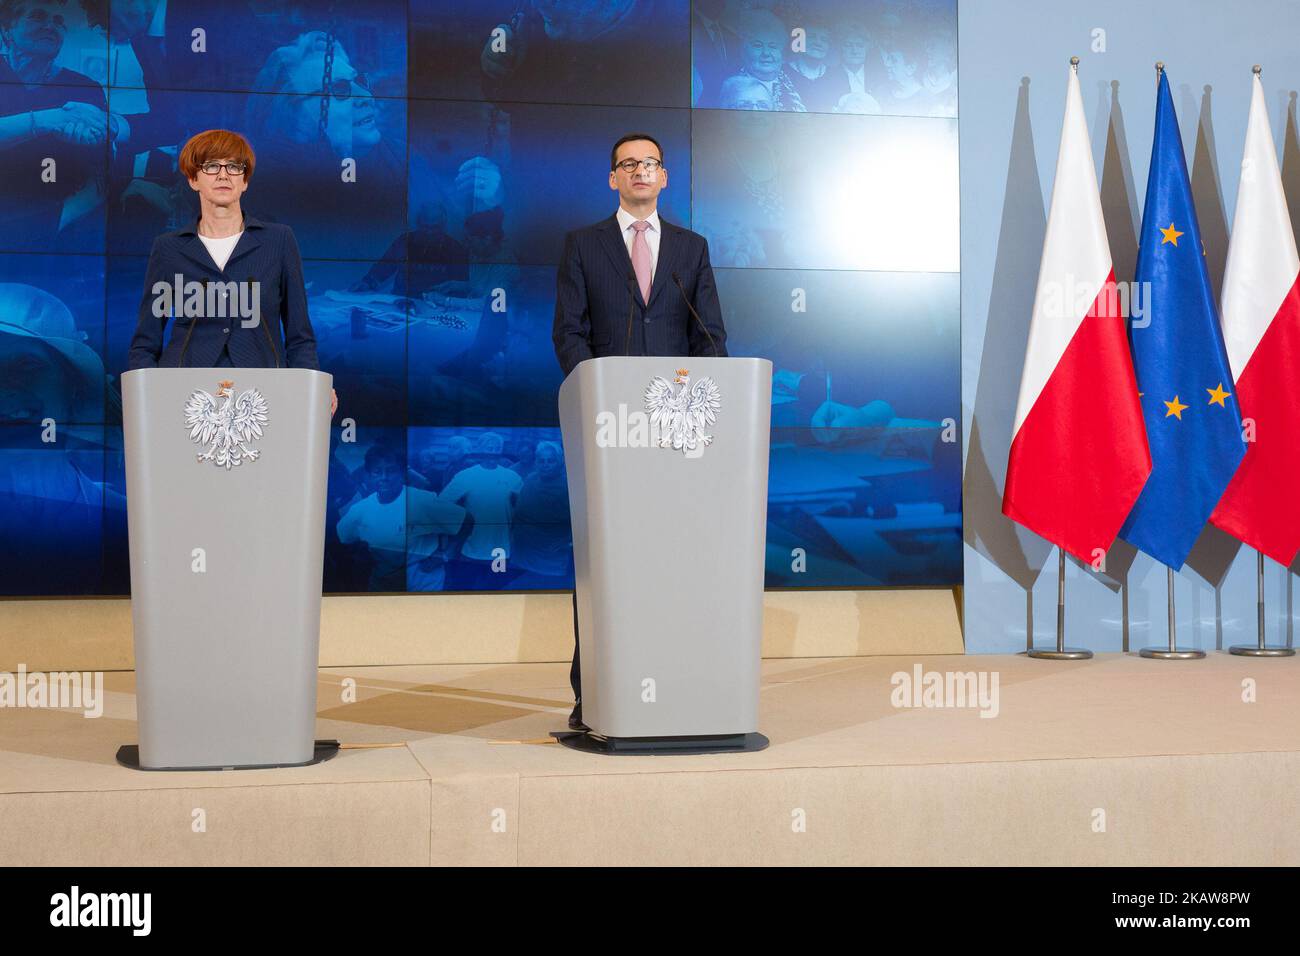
1112,761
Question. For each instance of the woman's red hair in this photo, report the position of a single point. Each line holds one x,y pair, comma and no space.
215,144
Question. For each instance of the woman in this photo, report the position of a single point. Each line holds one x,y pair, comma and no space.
232,285
763,57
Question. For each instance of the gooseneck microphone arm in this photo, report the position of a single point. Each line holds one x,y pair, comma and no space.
686,299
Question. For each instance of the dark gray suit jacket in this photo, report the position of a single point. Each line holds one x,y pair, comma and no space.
596,294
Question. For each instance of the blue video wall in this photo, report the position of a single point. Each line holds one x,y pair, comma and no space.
430,156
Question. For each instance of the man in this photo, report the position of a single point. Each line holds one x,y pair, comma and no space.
542,545
401,526
623,288
847,88
715,48
488,491
49,116
809,65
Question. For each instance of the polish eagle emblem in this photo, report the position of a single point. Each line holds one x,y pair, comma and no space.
681,409
225,425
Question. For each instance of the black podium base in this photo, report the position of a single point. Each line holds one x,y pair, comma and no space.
592,743
128,755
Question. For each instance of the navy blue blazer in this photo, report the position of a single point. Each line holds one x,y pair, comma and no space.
267,253
596,290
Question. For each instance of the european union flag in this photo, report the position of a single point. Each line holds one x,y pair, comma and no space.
1192,419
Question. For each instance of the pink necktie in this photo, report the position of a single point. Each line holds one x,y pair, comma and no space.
641,258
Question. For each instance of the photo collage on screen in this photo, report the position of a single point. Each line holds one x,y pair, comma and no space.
430,156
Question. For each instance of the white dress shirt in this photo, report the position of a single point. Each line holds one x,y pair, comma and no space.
220,249
625,220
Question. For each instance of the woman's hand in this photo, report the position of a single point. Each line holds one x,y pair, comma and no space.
334,402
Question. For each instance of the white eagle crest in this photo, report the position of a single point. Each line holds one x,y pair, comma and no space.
226,429
682,414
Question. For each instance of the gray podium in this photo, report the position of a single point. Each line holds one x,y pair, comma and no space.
668,549
226,514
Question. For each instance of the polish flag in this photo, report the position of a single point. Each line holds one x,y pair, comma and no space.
1261,329
1079,454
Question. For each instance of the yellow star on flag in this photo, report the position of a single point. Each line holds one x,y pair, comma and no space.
1170,235
1217,395
1175,409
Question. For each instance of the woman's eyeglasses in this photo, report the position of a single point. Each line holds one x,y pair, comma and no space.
234,169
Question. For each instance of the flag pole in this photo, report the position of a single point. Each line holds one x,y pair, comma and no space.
1075,239
1173,652
1260,649
1060,652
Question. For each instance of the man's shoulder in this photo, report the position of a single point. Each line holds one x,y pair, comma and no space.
683,233
361,509
584,232
421,498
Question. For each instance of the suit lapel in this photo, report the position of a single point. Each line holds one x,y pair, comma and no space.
194,249
612,241
249,241
668,247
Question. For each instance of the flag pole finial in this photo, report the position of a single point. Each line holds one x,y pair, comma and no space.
1257,69
1160,66
1074,63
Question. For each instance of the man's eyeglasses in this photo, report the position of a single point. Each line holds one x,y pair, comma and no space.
342,89
630,165
234,169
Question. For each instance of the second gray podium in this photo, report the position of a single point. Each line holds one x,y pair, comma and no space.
667,468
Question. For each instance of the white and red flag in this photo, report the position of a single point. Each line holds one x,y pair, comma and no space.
1079,455
1261,330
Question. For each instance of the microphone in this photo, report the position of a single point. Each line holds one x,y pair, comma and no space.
631,304
185,346
713,344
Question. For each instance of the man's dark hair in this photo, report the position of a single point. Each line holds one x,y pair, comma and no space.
381,452
613,153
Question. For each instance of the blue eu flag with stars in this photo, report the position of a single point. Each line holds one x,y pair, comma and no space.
1192,419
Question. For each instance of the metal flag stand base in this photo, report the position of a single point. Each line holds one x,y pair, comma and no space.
1261,649
1173,652
1060,652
